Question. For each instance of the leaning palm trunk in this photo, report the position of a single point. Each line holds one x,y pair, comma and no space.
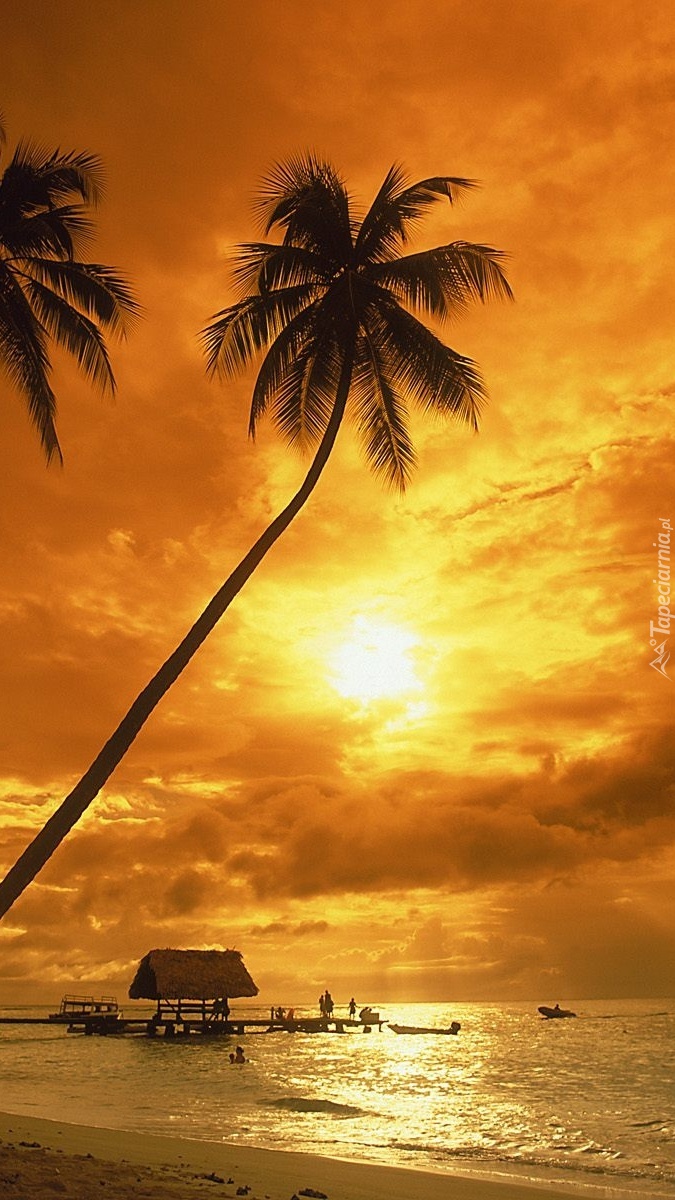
76,802
331,307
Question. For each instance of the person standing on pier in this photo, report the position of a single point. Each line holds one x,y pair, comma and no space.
327,1004
352,1009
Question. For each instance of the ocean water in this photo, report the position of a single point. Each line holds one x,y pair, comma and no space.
589,1102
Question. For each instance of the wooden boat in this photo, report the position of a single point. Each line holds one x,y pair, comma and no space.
453,1028
74,1008
556,1011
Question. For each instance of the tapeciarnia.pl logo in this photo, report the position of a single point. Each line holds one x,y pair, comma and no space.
662,624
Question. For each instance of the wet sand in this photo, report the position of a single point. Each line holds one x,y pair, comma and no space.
41,1160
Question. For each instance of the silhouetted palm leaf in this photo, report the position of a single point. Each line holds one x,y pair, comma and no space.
238,333
396,210
436,377
45,291
380,414
281,360
444,281
97,290
260,266
36,177
307,198
75,332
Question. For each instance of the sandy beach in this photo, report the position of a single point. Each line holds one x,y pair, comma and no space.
41,1159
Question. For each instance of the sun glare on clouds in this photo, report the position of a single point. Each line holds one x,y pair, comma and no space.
375,662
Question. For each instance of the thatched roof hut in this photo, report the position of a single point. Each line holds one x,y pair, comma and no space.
191,975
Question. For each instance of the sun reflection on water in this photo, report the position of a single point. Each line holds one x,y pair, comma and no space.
510,1088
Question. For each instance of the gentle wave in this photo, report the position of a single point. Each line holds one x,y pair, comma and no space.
611,1167
305,1104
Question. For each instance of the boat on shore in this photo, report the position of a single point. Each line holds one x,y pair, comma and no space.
454,1028
556,1011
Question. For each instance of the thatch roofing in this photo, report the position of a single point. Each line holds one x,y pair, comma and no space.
191,975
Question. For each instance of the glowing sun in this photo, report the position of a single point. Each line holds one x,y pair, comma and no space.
375,662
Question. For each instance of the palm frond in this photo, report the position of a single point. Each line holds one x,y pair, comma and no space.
45,292
396,210
290,345
263,266
49,231
99,291
304,401
45,178
380,233
307,198
436,377
414,280
23,354
380,415
445,280
413,201
238,333
75,332
476,271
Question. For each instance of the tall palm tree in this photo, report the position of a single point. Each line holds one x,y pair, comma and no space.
46,292
331,309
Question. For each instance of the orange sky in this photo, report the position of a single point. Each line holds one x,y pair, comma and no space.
499,822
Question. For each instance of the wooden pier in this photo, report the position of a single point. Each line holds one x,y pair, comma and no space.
186,1023
236,1026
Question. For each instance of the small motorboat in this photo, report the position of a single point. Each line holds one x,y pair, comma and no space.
77,1008
453,1028
556,1011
